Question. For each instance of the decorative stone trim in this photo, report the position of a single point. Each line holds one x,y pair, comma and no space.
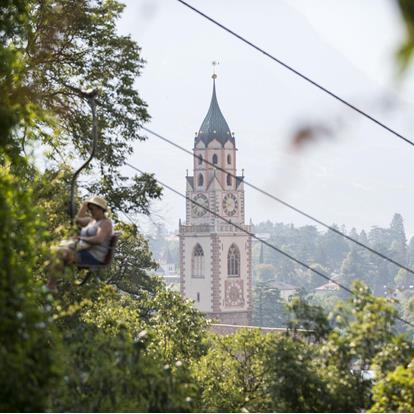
182,263
249,276
215,273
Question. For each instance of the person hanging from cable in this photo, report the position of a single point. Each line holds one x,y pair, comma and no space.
91,247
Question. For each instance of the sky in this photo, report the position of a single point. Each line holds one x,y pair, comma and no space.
356,174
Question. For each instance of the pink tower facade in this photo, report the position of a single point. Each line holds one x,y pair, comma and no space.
215,256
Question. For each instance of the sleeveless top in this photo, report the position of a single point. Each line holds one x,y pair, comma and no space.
98,251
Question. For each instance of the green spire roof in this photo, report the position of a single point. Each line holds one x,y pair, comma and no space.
214,125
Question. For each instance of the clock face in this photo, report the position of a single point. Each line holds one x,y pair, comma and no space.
230,204
202,201
234,293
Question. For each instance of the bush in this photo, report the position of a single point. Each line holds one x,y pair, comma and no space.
27,340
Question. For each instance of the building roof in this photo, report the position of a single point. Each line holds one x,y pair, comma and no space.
239,180
214,125
190,181
327,287
283,286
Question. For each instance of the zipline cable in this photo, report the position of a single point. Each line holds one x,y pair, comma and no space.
273,197
296,72
273,247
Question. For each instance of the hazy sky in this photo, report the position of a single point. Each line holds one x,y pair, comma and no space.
359,175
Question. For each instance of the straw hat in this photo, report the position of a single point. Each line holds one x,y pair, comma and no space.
98,201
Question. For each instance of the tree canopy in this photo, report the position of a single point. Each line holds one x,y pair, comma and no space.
124,342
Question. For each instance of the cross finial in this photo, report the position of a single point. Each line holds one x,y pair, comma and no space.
214,63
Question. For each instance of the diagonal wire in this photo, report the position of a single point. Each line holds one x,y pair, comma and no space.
297,210
296,72
249,233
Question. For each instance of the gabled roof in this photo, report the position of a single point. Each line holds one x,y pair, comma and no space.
190,181
239,180
214,125
214,184
283,286
327,287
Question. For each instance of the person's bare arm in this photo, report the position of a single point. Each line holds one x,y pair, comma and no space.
103,233
82,218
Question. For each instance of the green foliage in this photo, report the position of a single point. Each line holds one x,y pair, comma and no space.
59,48
310,318
331,254
127,353
15,108
253,372
294,384
132,261
27,337
395,393
268,307
148,350
232,374
179,328
264,272
405,52
114,373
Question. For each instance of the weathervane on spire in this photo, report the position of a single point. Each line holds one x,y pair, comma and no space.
214,63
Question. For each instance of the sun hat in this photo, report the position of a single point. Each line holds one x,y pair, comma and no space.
98,201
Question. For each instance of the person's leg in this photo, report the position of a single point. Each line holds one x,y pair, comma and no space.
86,259
63,256
67,255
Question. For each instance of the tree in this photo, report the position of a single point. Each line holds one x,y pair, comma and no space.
293,381
265,272
28,339
397,229
179,328
334,247
352,268
65,46
268,307
132,262
232,373
312,279
363,341
410,253
405,52
255,372
311,318
112,361
395,393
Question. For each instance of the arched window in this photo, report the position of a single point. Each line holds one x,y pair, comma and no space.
233,261
200,159
197,265
228,159
215,159
200,180
228,179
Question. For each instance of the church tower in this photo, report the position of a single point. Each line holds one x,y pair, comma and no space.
215,257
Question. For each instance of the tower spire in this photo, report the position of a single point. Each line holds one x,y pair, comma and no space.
214,75
214,125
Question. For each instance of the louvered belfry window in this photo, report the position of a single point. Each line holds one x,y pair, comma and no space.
228,179
198,261
233,261
200,180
